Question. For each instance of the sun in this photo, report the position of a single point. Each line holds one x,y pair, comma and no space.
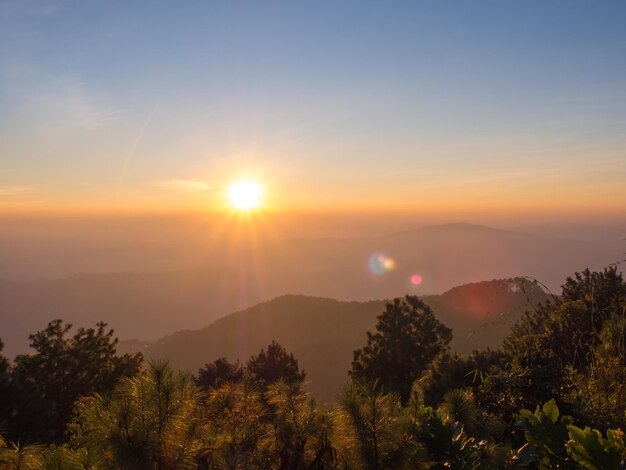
245,195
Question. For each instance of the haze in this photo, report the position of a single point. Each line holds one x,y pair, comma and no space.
255,150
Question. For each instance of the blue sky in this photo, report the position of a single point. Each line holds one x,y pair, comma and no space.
413,105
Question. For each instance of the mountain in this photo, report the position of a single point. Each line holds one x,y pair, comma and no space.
239,272
136,304
322,333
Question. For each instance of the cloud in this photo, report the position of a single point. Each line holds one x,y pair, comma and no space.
69,106
185,186
14,192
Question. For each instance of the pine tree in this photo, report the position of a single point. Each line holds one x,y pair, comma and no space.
276,364
62,369
408,337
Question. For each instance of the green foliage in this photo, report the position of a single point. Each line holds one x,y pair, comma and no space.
589,449
6,391
66,458
572,349
149,422
446,443
237,435
302,431
408,337
375,431
602,292
562,333
554,442
21,457
448,372
38,457
276,364
546,435
459,405
63,368
218,372
598,393
411,403
506,392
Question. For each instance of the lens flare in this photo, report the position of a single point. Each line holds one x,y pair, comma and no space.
380,264
416,279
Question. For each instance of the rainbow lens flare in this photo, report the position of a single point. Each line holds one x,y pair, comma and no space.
380,264
416,279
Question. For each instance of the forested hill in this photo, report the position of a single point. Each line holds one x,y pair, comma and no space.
141,299
322,333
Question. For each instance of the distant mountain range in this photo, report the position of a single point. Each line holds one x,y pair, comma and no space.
148,305
322,333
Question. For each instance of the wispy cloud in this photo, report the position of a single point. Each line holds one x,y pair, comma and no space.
70,106
185,186
133,147
15,192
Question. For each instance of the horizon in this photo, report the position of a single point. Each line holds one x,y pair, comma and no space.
421,108
312,235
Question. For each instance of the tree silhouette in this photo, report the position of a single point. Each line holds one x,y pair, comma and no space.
276,364
572,350
6,393
62,369
408,337
563,333
218,372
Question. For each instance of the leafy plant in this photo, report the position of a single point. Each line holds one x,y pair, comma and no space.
546,434
447,444
594,452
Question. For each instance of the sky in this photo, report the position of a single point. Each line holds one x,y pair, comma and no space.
465,108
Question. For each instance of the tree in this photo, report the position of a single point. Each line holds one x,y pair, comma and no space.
21,457
6,392
452,371
408,337
217,373
301,431
276,364
237,432
150,421
4,366
573,350
566,330
374,432
62,369
598,393
603,292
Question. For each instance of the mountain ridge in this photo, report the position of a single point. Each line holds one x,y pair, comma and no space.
303,323
145,304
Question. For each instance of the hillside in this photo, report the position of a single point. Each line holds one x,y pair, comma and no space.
231,277
323,333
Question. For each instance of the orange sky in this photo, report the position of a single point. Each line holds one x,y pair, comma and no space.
478,113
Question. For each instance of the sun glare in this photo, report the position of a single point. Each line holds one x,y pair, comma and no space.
245,195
